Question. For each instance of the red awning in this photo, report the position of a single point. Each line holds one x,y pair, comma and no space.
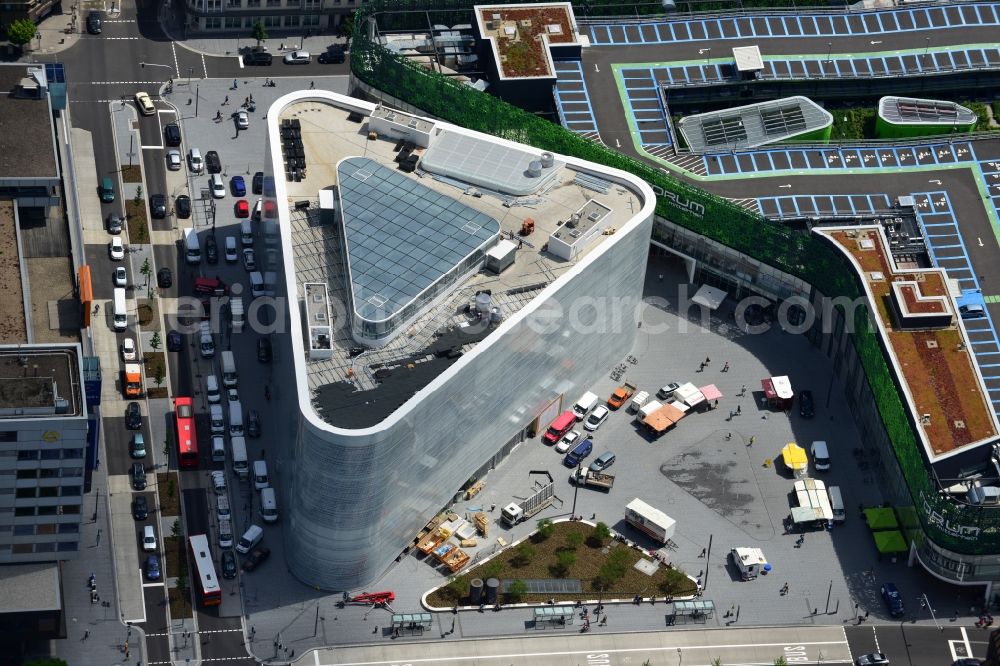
711,392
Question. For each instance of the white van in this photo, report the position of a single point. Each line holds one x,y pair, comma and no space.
195,161
837,504
120,313
260,480
212,389
257,287
225,534
218,448
638,400
268,505
821,456
246,233
206,344
241,467
217,420
235,419
229,376
250,539
192,247
222,511
583,406
148,538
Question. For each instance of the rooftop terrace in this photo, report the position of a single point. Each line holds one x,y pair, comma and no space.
30,151
521,35
362,389
943,385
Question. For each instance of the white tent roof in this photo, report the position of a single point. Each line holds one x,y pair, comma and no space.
709,297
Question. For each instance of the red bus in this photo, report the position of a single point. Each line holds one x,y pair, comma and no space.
559,427
209,591
187,437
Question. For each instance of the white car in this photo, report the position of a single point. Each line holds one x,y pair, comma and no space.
116,249
297,58
242,120
174,160
568,441
232,395
218,186
144,104
249,260
596,418
232,256
128,349
219,482
121,277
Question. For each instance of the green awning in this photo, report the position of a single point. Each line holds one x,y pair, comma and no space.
881,519
890,541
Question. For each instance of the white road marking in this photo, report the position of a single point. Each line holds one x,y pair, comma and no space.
596,69
204,67
239,59
152,584
980,241
177,67
618,144
875,634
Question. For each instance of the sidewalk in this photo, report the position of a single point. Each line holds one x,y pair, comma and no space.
58,33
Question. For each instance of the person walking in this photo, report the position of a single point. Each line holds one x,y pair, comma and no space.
312,85
225,101
739,410
725,367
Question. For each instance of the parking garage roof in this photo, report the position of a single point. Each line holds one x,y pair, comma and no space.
28,152
753,125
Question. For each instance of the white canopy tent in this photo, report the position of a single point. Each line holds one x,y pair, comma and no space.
709,297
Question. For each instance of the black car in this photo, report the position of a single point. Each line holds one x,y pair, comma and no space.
256,558
212,162
174,341
133,417
332,56
172,134
152,568
182,205
211,250
114,224
158,206
258,58
94,23
893,600
807,406
138,476
257,186
164,278
140,509
253,423
228,564
263,350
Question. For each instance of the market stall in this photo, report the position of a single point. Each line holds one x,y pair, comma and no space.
795,459
778,392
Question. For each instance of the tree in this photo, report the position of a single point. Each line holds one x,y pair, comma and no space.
347,26
175,529
456,588
21,31
517,589
565,559
573,540
717,661
545,528
158,373
138,195
600,534
154,340
493,568
780,661
146,269
523,554
259,32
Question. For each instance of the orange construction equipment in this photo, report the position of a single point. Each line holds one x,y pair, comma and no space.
527,227
430,541
373,598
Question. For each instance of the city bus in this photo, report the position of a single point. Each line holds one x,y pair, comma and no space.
187,436
203,571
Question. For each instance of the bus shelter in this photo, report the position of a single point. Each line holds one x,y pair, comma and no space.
553,617
411,623
697,611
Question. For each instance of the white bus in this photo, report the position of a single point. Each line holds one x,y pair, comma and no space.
209,591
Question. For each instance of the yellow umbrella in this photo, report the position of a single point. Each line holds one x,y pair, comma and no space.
794,457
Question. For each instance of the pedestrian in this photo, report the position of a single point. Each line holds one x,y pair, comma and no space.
281,47
493,506
452,625
225,101
251,99
739,410
743,391
661,277
703,552
292,654
375,631
235,84
86,634
312,85
253,630
246,101
725,368
701,367
707,360
126,653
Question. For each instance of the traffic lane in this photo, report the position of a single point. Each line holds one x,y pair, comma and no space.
916,645
227,644
98,257
225,67
117,440
155,626
196,509
166,256
150,129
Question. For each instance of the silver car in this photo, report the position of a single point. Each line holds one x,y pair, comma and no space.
174,160
297,58
242,120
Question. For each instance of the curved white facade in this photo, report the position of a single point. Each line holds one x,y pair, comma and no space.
356,498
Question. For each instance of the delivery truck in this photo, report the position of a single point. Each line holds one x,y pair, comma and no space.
229,376
132,380
541,495
651,522
638,400
587,477
236,314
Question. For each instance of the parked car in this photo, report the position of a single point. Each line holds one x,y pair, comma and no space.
971,311
164,278
332,56
182,206
133,416
256,558
94,23
263,350
872,659
602,462
217,186
242,119
238,186
120,277
258,58
140,508
297,58
137,447
211,250
212,162
195,162
807,407
232,254
114,224
893,599
144,104
174,341
270,210
258,182
228,564
138,476
128,349
253,423
241,208
152,568
568,441
174,160
158,206
116,249
596,418
172,134
249,259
